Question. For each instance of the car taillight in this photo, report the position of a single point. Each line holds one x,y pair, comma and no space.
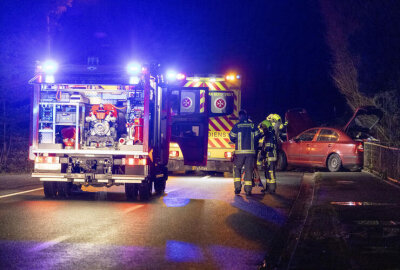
359,147
228,155
174,153
49,160
134,161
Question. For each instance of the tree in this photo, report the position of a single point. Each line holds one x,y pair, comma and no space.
23,41
364,43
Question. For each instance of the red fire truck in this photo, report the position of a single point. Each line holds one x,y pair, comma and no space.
104,126
224,104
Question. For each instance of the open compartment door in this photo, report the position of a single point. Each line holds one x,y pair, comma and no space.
189,123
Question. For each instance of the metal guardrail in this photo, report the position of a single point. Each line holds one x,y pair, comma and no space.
382,160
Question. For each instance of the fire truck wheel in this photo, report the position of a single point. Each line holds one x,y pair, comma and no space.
64,189
131,191
50,189
145,191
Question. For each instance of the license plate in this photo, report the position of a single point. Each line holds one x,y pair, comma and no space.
199,168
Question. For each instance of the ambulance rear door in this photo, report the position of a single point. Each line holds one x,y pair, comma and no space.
189,122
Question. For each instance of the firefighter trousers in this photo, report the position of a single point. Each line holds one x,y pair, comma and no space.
248,161
270,175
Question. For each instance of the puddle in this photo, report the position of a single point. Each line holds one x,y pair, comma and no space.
363,204
345,182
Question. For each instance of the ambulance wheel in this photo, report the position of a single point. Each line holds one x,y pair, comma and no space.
64,189
145,191
334,163
50,189
281,164
131,191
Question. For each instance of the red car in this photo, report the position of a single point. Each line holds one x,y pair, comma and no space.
327,147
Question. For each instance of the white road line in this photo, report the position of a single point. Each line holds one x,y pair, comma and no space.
130,209
206,177
18,193
172,190
49,243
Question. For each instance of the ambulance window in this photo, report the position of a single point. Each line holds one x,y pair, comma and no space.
174,99
221,103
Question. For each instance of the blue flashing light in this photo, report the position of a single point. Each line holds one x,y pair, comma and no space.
238,77
133,68
177,251
50,67
171,75
134,80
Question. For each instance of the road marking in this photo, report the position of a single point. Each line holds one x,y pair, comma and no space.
18,193
130,209
172,190
206,177
49,243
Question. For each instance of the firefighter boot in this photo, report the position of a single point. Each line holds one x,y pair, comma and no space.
248,187
238,185
271,181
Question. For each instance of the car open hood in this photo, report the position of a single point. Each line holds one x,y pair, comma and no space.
364,119
298,121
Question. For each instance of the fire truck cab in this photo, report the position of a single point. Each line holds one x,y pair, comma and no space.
105,126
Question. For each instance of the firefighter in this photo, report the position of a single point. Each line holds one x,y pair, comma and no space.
245,136
277,124
268,155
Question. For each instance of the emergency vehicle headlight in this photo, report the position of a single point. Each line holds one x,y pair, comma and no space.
133,68
50,66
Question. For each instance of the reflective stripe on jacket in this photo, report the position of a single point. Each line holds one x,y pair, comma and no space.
245,136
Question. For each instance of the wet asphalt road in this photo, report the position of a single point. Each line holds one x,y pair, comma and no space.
198,224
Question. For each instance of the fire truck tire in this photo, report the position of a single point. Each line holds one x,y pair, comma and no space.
145,191
131,191
64,189
50,189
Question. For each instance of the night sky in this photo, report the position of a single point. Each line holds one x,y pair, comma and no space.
277,46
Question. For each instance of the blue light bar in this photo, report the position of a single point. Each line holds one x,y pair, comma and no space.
133,68
50,67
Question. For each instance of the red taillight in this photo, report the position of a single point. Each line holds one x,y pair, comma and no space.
360,147
174,153
228,155
134,161
49,160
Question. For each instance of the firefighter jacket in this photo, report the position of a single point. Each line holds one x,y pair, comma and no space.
245,135
269,145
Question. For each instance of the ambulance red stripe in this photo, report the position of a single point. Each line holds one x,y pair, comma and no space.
213,125
219,142
221,124
210,143
228,121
